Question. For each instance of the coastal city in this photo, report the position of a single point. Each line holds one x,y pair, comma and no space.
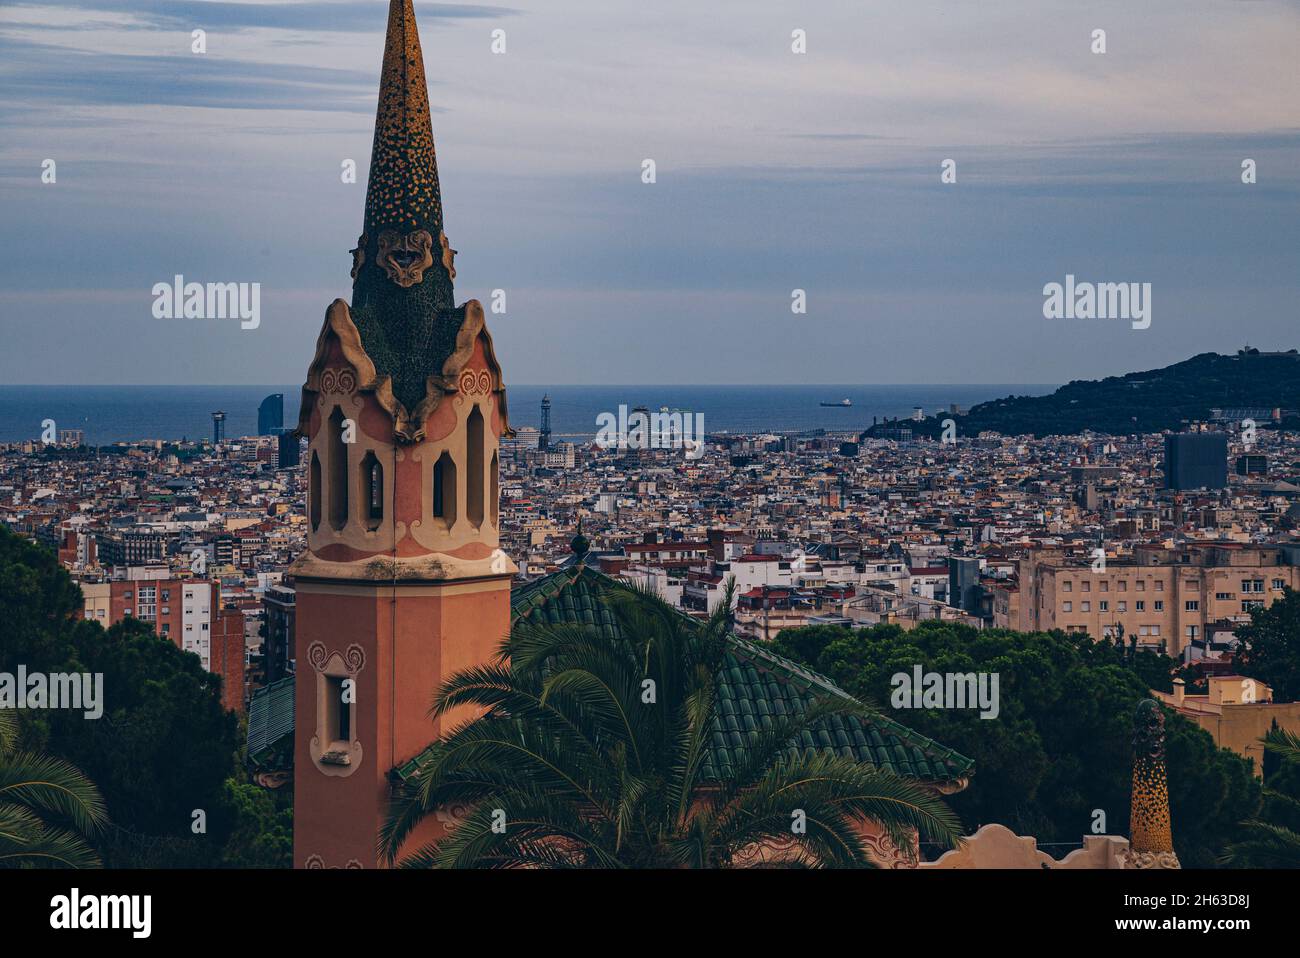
898,476
815,528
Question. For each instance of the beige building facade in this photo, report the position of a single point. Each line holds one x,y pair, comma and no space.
1237,712
1160,595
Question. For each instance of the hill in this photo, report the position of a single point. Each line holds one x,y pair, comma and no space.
1142,402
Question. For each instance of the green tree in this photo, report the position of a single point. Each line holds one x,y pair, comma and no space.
1272,840
259,827
164,745
1060,746
1270,646
47,808
590,754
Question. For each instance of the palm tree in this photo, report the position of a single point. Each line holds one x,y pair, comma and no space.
35,789
1268,844
592,752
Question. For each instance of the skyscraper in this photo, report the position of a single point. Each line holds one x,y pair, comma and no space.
403,581
289,452
1196,460
218,427
270,415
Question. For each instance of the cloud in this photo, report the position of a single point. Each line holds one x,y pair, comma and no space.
775,171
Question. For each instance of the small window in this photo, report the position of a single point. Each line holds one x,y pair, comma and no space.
313,493
338,466
474,487
494,491
444,489
338,711
372,485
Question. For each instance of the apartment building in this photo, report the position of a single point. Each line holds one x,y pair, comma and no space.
1237,711
187,611
1160,595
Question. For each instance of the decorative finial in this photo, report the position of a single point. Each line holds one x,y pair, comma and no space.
1151,843
579,543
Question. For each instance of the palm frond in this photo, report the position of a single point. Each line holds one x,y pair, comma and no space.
52,786
1281,742
1265,846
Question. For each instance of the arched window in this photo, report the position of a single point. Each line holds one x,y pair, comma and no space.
313,493
444,489
494,494
474,489
338,469
372,485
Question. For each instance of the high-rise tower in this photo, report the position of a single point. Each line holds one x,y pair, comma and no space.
218,428
270,415
403,581
544,433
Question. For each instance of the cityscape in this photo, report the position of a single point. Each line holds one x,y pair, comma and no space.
405,616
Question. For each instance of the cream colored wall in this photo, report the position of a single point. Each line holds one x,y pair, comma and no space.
1174,585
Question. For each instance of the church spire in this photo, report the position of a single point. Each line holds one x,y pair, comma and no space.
403,235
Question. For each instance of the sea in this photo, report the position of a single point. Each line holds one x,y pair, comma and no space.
110,414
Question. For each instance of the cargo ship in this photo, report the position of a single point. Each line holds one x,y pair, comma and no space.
842,404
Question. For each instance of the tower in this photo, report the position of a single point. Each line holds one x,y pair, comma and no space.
403,581
218,428
544,433
270,415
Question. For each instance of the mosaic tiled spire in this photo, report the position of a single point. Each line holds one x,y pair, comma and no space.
403,242
403,194
1150,834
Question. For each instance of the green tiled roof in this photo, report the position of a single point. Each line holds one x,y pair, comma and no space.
270,721
756,687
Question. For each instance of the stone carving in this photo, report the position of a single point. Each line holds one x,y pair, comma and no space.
338,382
316,863
452,815
359,254
448,255
1150,860
475,382
354,658
405,257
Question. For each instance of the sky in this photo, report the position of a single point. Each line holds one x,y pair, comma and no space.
774,171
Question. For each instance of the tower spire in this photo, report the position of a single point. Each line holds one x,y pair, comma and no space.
403,230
